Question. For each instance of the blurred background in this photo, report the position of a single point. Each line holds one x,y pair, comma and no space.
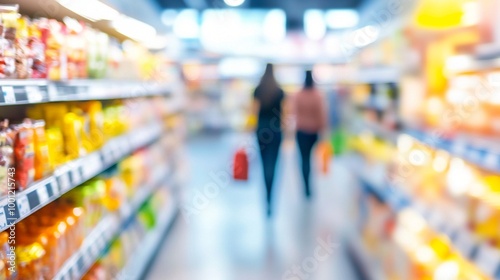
123,124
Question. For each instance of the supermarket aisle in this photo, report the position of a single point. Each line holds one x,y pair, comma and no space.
223,234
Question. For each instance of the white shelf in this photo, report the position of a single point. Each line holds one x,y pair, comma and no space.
108,229
484,256
73,174
21,92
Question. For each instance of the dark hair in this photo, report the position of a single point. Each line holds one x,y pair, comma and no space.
268,85
309,82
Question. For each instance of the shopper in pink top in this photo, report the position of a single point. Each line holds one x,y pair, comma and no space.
311,117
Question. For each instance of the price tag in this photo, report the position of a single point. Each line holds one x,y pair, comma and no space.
125,210
75,175
3,218
53,185
125,146
94,251
101,243
75,272
91,166
107,154
64,181
23,206
88,259
488,259
34,94
115,151
43,194
9,94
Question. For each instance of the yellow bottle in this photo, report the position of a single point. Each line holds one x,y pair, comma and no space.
73,138
42,155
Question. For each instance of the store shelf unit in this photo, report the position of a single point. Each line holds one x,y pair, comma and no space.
482,255
479,151
109,228
20,205
139,262
484,153
21,92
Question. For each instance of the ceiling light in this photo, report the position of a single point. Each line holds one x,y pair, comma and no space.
274,26
186,24
234,3
340,19
134,29
314,24
92,10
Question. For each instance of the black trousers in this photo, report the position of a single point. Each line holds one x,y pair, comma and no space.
306,142
269,144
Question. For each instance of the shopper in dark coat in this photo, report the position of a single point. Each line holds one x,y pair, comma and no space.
268,105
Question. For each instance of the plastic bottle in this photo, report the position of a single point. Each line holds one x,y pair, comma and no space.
55,241
42,155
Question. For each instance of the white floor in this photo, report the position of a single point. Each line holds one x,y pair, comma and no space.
222,232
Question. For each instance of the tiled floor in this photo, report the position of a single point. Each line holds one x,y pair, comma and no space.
222,232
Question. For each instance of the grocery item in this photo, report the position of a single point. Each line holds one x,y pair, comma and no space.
55,55
24,154
5,273
42,156
37,49
76,49
29,255
6,156
95,123
97,48
23,53
9,16
73,127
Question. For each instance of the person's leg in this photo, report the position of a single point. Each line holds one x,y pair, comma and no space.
302,143
306,142
269,149
273,152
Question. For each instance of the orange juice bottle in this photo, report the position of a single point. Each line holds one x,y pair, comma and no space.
38,232
55,240
29,253
78,214
71,234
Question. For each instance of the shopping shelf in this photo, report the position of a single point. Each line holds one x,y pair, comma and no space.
18,206
20,92
484,153
110,227
378,186
482,255
479,151
139,261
